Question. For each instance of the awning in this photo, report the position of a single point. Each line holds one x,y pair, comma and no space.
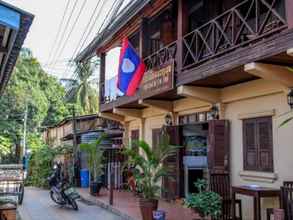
9,17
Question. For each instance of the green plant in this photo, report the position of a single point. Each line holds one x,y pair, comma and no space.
205,203
149,167
41,163
94,157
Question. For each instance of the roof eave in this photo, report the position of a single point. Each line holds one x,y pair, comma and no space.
108,32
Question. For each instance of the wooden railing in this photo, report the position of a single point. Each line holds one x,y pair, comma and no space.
248,21
161,57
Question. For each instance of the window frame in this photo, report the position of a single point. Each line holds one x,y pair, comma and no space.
258,150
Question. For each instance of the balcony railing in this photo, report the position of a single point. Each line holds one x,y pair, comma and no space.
161,57
248,21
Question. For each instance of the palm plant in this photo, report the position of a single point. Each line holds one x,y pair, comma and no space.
149,166
80,90
94,157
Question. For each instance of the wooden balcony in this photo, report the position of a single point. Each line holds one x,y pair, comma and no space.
253,30
249,31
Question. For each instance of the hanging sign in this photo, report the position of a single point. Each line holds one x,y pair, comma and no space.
158,80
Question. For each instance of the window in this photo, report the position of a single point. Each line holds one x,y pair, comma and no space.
258,144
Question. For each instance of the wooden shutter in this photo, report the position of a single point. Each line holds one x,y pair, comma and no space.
258,144
250,144
173,186
265,143
218,146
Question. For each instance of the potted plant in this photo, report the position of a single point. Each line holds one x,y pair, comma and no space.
205,203
148,172
95,162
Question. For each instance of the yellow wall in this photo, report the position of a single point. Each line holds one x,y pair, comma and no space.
247,100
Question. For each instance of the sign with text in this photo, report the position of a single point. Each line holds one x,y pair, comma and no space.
157,81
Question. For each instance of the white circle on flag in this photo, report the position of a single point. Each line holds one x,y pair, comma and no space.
127,66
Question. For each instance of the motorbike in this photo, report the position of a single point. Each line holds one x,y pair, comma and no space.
61,192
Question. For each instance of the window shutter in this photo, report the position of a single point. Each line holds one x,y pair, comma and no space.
250,144
218,146
265,151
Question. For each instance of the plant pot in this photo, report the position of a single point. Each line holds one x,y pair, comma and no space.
147,206
95,188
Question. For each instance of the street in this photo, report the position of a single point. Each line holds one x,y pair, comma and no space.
37,205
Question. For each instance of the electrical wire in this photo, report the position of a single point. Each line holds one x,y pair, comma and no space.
59,30
64,30
72,28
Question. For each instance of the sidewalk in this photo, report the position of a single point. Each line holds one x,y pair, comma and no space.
126,205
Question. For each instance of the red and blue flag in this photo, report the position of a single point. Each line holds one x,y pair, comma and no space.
131,69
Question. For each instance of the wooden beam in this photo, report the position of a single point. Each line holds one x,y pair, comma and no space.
112,116
209,95
158,104
102,77
135,113
271,72
290,52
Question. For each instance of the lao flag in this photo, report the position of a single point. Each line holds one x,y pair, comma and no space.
131,69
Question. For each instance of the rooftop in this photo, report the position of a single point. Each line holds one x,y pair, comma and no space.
14,26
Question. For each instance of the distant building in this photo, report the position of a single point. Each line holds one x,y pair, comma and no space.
14,26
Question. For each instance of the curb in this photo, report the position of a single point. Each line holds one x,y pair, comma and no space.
109,208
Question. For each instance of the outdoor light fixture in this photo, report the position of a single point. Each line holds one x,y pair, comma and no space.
290,98
168,119
215,112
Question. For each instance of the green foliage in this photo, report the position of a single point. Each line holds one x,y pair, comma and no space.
30,86
41,163
94,157
205,203
81,90
5,146
149,166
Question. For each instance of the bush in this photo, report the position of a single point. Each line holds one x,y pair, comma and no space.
205,203
41,164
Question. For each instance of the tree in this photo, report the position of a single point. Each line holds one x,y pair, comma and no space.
81,90
32,88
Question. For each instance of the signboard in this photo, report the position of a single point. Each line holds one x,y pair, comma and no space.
157,80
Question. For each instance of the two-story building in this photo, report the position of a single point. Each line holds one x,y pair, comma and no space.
217,75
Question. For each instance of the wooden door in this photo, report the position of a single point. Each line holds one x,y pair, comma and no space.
134,136
218,146
173,185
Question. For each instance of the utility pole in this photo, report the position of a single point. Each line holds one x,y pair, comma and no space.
24,130
75,153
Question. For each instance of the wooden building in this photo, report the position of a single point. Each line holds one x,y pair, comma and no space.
217,75
14,26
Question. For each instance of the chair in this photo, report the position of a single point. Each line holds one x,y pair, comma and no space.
286,202
220,183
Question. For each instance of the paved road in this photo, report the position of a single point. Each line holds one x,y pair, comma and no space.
38,206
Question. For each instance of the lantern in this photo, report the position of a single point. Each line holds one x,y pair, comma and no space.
290,98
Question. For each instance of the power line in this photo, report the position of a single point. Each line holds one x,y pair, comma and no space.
65,29
110,12
59,30
87,30
72,28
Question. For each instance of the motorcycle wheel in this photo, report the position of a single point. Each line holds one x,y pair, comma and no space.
52,195
73,204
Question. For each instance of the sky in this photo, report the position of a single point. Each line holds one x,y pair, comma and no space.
41,38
